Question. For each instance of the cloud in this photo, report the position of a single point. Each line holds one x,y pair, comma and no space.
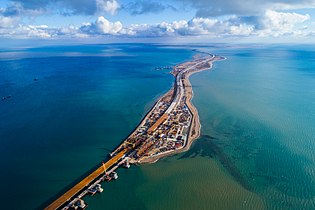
145,7
12,10
270,24
31,4
64,7
41,31
6,22
108,6
193,27
9,27
106,27
89,7
71,7
204,8
16,10
8,17
71,31
28,31
280,23
213,8
101,26
241,30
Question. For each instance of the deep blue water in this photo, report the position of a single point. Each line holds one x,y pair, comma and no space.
257,111
84,102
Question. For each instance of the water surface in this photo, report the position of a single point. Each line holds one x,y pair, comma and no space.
256,109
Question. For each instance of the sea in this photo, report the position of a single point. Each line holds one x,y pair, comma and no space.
64,108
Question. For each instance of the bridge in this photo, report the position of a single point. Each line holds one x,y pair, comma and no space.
71,193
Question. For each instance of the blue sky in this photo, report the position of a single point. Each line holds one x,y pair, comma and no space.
173,20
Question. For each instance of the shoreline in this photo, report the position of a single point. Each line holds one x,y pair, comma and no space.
195,125
169,92
181,73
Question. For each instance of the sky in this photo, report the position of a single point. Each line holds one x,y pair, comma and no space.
172,20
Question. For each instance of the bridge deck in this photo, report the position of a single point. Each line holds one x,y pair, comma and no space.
85,182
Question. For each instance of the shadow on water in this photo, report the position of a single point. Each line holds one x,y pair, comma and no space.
66,188
205,147
106,149
73,183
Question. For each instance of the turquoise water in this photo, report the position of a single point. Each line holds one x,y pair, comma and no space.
257,111
259,108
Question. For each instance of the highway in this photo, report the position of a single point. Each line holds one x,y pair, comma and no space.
179,84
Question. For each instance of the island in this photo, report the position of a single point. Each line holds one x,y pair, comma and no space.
169,127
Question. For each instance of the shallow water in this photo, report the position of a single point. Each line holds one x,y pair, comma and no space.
258,106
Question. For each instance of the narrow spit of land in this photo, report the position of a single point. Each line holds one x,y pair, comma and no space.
173,123
169,128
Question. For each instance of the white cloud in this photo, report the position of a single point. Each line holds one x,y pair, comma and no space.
6,22
29,31
71,31
242,30
280,23
107,6
101,26
193,27
38,31
199,26
271,24
105,27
